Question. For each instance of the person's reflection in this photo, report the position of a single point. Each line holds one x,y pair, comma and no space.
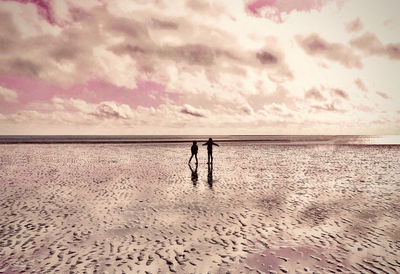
210,175
194,175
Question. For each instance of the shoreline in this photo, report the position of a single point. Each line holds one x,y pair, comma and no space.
261,142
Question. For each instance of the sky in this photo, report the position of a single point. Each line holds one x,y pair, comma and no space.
199,67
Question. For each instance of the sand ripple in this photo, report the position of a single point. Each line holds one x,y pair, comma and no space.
139,209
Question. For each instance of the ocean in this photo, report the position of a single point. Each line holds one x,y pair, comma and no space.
273,139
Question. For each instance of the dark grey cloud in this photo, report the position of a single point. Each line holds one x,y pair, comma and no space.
393,51
7,27
23,67
195,54
327,107
134,51
9,34
314,94
371,45
316,46
340,93
169,25
127,27
266,58
368,43
65,53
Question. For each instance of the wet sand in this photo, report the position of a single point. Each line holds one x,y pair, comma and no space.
137,208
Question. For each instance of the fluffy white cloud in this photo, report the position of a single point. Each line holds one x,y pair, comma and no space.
8,95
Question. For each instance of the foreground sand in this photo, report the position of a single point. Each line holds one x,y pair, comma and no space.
137,208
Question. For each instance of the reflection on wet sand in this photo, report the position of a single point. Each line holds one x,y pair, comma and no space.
210,175
194,175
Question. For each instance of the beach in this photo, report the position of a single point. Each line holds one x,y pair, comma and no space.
139,208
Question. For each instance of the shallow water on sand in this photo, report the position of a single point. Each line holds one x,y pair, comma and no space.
139,207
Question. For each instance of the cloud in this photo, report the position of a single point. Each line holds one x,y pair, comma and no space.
112,111
252,66
364,108
8,95
354,25
371,45
57,12
73,113
393,51
188,109
193,54
280,110
147,93
360,84
23,67
198,5
326,107
122,51
69,57
314,94
383,95
7,25
316,46
266,58
274,9
44,9
169,25
247,109
340,93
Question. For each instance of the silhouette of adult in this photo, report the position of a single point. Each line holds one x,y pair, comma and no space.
209,145
194,150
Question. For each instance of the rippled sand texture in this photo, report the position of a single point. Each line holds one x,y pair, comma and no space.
135,208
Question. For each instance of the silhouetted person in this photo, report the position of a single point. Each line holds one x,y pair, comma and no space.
209,144
194,150
210,175
194,175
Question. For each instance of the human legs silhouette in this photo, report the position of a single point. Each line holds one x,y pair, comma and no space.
191,158
210,157
195,155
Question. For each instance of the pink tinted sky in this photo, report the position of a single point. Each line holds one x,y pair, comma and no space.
199,67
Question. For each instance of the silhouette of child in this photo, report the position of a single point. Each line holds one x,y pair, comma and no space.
209,144
194,150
